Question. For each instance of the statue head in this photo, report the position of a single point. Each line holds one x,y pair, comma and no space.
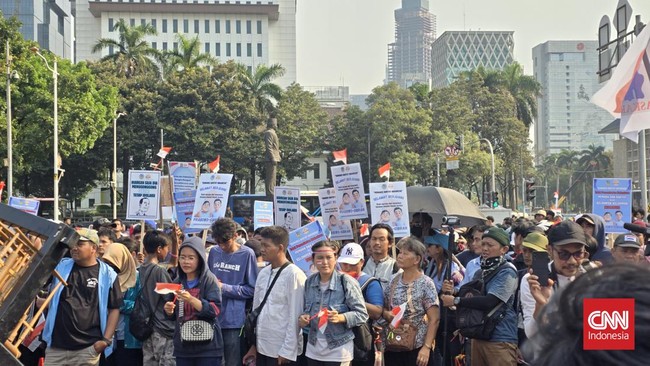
272,123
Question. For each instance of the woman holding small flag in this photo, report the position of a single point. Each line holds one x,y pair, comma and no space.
334,305
411,308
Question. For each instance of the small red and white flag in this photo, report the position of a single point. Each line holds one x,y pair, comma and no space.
384,171
398,313
322,319
167,288
2,186
341,155
214,165
162,153
364,230
157,166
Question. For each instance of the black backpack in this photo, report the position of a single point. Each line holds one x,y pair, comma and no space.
475,323
364,335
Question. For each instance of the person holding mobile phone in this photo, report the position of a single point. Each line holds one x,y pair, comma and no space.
567,249
534,247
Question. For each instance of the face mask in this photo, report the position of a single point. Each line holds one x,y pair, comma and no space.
416,231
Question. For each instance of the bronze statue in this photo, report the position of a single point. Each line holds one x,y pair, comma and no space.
272,155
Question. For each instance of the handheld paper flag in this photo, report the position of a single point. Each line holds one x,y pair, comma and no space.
322,319
384,171
341,155
398,312
364,231
164,151
214,165
167,288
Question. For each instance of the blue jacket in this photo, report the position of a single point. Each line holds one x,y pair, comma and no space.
106,279
348,302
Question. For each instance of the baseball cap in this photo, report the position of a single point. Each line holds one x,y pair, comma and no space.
540,212
88,235
497,234
566,232
437,239
351,253
627,240
585,218
536,241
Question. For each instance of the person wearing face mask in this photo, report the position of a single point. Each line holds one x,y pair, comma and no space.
421,225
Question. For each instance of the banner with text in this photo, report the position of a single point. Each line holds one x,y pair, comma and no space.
334,228
262,214
184,206
143,201
211,199
350,195
300,243
286,202
184,174
25,204
612,200
388,205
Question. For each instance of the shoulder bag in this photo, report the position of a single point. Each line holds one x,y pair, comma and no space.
402,338
194,331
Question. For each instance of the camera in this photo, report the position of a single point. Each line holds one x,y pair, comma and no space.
450,220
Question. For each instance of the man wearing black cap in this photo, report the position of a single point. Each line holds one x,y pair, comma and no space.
626,248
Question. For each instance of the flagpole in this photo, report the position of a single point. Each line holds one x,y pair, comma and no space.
162,172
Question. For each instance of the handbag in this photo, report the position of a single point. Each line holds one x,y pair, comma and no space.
250,323
141,318
194,331
402,338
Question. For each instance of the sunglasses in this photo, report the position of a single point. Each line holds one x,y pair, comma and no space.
564,255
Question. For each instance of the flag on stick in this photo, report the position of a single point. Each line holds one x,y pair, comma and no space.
398,313
384,171
162,153
322,320
341,155
167,288
214,165
157,166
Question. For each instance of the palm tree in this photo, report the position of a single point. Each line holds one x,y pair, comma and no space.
260,85
133,52
188,55
594,158
524,89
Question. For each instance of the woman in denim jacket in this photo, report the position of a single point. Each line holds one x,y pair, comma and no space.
331,344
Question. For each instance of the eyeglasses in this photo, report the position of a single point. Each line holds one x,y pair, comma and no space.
564,255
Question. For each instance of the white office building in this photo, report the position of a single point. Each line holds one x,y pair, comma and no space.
248,32
566,120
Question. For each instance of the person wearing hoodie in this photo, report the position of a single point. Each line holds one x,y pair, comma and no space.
200,297
594,226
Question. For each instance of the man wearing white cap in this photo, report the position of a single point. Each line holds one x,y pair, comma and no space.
351,261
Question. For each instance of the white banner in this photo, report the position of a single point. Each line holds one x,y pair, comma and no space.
350,195
143,201
211,199
334,228
184,174
389,205
286,203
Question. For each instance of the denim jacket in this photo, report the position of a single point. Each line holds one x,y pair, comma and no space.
347,300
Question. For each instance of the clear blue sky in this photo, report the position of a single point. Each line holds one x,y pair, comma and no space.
345,42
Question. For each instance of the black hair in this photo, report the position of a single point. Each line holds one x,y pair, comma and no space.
592,246
154,240
425,218
490,218
287,213
256,246
397,208
257,231
522,227
355,190
129,243
277,234
334,245
391,235
223,230
107,232
142,199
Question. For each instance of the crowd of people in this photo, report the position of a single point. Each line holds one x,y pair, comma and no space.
185,300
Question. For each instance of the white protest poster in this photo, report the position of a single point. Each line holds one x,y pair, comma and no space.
350,195
388,205
184,174
300,242
286,202
143,201
211,199
334,228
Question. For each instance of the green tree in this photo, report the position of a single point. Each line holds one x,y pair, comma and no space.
132,52
260,85
188,55
525,90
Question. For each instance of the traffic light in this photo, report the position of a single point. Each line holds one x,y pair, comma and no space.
487,199
530,190
495,199
460,142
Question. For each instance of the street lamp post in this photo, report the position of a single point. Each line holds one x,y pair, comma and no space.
10,169
55,77
114,180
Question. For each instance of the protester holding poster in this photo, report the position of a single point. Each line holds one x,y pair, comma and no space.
348,184
388,202
212,191
143,201
286,202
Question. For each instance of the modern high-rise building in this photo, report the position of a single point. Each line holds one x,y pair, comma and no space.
248,32
566,120
50,23
457,51
409,57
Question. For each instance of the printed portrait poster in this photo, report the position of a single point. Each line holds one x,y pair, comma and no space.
612,200
334,228
262,214
184,174
300,243
211,199
25,204
350,195
184,206
286,202
389,205
143,201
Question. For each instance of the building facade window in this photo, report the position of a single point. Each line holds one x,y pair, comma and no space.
207,47
217,49
316,169
186,26
217,26
249,50
175,46
227,26
238,26
196,26
143,22
132,22
175,25
154,24
238,49
164,46
207,26
227,49
110,24
164,25
249,26
259,27
259,50
154,45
